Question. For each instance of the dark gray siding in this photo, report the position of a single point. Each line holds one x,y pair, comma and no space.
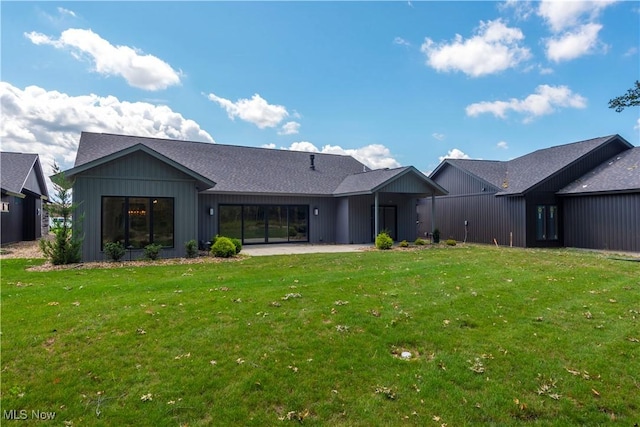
11,225
32,184
23,222
603,222
322,228
136,175
456,182
489,217
342,220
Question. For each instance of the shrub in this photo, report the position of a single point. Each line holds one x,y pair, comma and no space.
114,251
384,241
436,236
191,248
450,242
238,244
223,248
152,251
419,242
404,244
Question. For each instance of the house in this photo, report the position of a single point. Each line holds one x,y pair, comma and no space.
140,190
585,194
23,190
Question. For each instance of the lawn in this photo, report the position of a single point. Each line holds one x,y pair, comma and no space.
453,336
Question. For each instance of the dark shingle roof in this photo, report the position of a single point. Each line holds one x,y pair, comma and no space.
235,168
621,173
15,169
527,171
248,170
521,174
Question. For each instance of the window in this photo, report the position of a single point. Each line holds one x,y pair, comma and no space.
547,222
264,223
138,221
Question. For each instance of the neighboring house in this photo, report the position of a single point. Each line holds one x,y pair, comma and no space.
585,194
23,190
139,190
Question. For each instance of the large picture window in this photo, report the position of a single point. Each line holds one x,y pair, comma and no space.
138,221
264,223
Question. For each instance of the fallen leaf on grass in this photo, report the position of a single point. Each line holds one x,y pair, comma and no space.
53,303
146,397
595,392
187,355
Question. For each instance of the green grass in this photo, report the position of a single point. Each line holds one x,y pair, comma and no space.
497,337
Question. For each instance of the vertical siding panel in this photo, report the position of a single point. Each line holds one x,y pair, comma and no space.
489,217
603,222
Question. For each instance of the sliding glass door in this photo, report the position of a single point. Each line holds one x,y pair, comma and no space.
264,223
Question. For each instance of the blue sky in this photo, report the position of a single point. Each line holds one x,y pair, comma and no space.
391,83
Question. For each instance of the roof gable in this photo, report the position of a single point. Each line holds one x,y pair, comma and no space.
18,169
523,174
619,174
490,172
405,179
202,181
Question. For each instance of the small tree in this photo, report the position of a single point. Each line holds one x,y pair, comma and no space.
66,245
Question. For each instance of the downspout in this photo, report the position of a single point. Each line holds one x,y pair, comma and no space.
375,215
433,212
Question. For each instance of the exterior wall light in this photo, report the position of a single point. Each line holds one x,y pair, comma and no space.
210,211
315,211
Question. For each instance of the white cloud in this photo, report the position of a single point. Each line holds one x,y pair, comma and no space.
375,156
493,49
544,101
49,122
502,145
637,126
63,11
438,136
255,110
573,44
545,70
522,9
631,51
561,15
289,128
303,146
454,153
400,41
139,70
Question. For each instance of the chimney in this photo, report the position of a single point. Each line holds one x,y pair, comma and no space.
312,158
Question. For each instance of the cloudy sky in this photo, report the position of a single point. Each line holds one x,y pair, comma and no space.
391,83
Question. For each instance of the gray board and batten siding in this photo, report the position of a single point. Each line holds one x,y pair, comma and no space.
135,175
